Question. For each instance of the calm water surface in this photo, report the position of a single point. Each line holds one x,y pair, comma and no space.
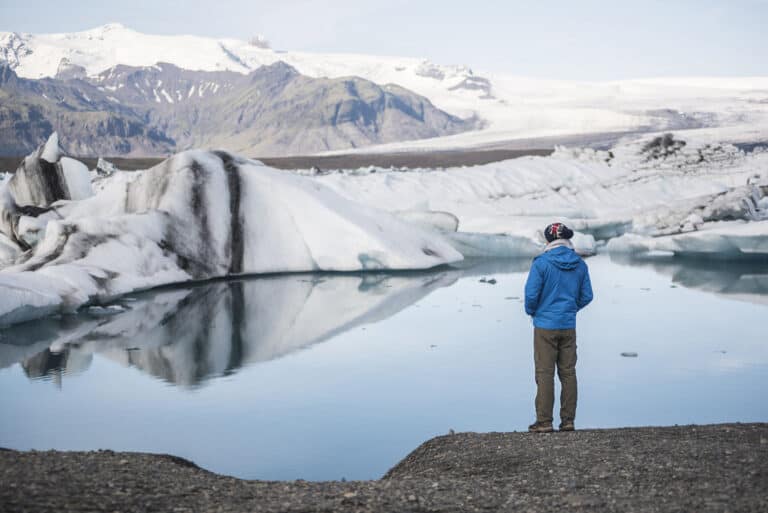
340,376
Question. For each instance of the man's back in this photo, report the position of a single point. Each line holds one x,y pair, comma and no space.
558,286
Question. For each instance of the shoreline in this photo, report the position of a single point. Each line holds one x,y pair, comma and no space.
720,467
437,159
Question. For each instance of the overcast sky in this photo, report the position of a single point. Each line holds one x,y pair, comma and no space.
573,39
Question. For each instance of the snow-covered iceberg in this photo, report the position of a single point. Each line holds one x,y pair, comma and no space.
47,176
197,215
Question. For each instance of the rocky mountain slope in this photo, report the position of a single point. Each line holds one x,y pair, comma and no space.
160,109
511,107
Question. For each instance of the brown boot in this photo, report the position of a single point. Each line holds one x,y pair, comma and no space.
540,427
567,426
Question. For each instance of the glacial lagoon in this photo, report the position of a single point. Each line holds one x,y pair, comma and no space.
331,376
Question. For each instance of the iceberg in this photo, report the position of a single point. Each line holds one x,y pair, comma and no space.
648,187
196,216
67,241
733,240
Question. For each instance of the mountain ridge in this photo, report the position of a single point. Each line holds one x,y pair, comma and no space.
508,107
160,109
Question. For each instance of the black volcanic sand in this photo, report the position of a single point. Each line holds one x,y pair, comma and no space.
687,469
432,159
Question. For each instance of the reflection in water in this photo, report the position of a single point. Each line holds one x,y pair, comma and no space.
745,281
185,336
188,335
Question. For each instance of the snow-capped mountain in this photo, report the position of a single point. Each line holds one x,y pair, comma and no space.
511,107
158,109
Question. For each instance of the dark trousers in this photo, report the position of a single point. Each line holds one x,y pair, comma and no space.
555,348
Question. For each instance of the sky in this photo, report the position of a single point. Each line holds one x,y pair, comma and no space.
566,39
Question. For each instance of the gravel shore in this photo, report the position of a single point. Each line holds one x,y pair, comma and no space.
687,468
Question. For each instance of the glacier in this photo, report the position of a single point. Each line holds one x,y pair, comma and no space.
196,216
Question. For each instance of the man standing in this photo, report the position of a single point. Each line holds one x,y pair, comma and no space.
558,286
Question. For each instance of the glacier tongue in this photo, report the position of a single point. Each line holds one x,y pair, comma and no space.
196,216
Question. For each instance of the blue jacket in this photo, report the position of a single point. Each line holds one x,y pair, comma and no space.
558,286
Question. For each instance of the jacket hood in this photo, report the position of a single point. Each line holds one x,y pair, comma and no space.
563,257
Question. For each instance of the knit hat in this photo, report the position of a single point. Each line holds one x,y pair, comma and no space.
557,231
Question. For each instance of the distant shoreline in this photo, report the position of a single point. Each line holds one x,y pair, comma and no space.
423,159
407,158
722,467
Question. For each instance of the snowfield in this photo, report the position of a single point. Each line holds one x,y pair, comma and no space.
512,107
70,237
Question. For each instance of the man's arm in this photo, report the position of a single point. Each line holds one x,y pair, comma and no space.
585,292
533,289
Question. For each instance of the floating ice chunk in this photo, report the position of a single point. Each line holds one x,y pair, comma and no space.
631,244
601,229
485,245
494,246
733,240
584,244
